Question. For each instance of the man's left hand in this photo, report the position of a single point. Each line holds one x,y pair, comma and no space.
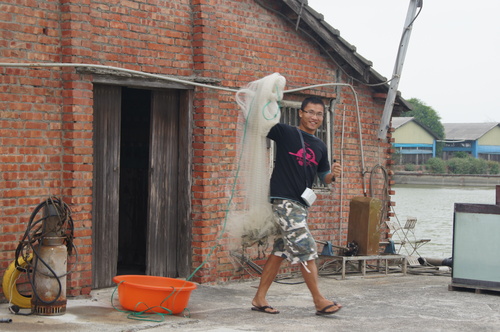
336,169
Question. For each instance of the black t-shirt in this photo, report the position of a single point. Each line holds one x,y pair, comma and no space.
289,176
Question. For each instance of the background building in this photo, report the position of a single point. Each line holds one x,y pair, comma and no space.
413,142
480,140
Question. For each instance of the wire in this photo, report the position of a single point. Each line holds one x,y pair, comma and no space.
385,189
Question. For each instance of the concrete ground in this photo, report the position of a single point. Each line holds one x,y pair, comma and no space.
376,302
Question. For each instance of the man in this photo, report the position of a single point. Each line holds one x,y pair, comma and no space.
288,182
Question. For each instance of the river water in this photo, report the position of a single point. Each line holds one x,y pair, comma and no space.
433,207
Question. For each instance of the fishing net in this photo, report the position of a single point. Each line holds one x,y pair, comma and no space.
250,214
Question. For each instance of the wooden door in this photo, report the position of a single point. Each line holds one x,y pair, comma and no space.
162,244
107,117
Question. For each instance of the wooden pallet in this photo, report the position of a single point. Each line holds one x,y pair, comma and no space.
476,288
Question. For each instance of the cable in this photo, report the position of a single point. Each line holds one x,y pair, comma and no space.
405,31
385,189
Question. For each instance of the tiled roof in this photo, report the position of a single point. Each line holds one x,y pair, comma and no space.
312,23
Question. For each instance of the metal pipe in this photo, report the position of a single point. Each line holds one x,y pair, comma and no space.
130,71
498,195
398,68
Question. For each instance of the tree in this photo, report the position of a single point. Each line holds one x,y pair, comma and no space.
427,116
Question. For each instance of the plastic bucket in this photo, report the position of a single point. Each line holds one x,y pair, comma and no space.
153,294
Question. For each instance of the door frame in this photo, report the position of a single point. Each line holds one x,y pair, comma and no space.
104,230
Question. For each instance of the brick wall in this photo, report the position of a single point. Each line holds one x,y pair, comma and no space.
30,119
46,113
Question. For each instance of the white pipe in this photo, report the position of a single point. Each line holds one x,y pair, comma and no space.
168,78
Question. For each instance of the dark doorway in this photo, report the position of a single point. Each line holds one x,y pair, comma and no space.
134,165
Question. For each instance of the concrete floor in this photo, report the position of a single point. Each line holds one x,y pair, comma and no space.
375,302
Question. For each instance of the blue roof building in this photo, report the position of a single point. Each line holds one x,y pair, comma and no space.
413,143
480,140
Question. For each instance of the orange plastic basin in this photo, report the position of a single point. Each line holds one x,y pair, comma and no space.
153,294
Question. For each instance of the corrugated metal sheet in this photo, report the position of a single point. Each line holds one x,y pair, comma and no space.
467,131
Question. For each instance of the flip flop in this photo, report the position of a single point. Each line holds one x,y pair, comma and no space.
324,311
263,309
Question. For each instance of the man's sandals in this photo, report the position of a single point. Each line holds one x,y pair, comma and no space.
324,311
266,309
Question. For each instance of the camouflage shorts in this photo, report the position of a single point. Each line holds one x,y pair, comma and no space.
296,242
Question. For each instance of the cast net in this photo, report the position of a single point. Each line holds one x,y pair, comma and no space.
250,214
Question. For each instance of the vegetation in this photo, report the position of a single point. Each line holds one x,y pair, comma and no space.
467,166
461,154
459,164
428,117
410,167
455,165
493,167
436,165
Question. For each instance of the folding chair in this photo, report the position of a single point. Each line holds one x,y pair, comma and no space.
406,239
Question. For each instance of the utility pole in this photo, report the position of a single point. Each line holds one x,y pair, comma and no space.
398,68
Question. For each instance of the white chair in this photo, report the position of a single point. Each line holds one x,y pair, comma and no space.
406,239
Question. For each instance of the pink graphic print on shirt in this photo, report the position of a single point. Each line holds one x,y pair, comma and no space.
310,157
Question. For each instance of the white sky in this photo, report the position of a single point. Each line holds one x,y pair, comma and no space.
451,61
